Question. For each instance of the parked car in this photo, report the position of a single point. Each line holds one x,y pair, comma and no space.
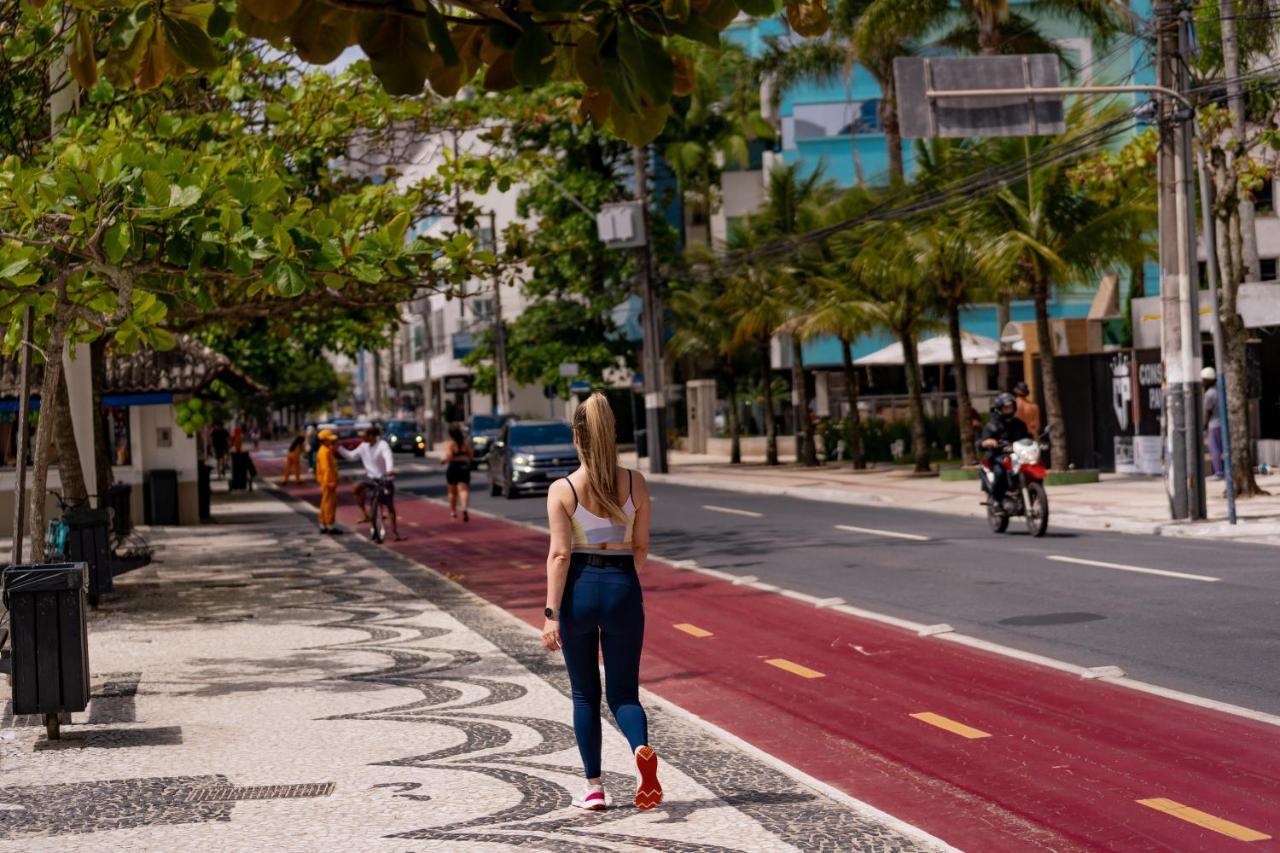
530,455
351,435
405,437
484,429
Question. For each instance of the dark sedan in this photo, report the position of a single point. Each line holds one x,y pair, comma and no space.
484,431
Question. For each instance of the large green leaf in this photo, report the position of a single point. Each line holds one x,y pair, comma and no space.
116,241
321,32
271,11
399,51
189,43
640,127
645,62
438,33
531,61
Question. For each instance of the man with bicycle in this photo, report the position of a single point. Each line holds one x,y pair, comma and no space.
375,455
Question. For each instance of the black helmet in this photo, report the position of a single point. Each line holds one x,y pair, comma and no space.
1004,398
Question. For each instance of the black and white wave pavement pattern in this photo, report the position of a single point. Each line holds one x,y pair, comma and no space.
542,818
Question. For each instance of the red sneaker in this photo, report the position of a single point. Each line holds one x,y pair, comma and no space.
648,788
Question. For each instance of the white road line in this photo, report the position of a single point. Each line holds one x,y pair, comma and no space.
730,511
1124,568
874,532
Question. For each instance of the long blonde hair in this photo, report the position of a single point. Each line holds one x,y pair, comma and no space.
595,430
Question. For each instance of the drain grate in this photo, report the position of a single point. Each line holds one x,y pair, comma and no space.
259,792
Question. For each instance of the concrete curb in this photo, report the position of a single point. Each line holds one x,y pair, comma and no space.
1217,530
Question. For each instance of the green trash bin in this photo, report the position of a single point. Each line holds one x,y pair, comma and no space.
50,642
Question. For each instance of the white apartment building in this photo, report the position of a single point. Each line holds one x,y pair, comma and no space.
438,332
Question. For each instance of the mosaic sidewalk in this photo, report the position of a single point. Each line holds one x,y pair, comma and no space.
262,688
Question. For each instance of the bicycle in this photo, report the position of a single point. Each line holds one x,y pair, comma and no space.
377,506
57,532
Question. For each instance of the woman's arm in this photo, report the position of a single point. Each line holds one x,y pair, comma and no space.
557,558
640,527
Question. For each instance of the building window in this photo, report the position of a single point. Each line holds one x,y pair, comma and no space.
842,118
417,339
437,332
1268,269
1264,198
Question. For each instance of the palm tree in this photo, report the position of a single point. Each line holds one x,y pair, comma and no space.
793,206
948,248
755,306
833,57
706,331
896,297
715,128
1054,233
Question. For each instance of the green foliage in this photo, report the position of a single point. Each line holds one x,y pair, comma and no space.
626,56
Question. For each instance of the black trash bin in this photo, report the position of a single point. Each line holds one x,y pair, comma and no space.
204,489
642,443
50,643
120,499
160,497
89,542
242,471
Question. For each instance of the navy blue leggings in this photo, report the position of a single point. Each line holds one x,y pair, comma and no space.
603,608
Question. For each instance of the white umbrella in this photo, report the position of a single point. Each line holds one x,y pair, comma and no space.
975,349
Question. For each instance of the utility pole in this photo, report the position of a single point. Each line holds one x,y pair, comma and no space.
502,394
654,398
1173,254
1189,302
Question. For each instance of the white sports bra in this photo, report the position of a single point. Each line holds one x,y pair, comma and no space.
591,530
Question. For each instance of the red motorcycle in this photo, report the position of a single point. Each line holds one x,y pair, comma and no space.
1025,496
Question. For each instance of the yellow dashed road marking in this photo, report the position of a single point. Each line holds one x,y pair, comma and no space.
795,668
950,725
692,629
1208,821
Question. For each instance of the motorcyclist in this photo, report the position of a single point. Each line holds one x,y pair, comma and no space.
1002,430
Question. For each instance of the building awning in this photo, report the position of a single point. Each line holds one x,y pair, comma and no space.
145,377
975,349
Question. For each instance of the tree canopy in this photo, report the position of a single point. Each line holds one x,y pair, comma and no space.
630,58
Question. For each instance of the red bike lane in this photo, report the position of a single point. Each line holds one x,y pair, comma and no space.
983,751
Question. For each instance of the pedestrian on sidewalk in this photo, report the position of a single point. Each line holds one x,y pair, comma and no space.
293,461
327,477
599,520
457,459
1027,411
312,444
1212,421
220,440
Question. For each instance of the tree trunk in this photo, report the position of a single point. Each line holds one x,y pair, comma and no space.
770,424
1238,143
806,447
735,432
857,452
1004,313
919,438
70,472
968,453
1049,379
890,125
44,440
1235,344
101,441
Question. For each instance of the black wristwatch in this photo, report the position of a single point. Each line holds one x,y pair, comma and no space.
551,614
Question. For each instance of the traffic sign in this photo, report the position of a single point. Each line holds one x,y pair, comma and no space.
581,387
569,369
924,115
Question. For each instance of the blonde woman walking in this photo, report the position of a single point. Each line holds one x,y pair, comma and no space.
599,519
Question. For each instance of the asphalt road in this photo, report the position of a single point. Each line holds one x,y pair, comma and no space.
1213,638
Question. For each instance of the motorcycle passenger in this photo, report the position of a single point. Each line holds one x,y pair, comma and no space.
1002,430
